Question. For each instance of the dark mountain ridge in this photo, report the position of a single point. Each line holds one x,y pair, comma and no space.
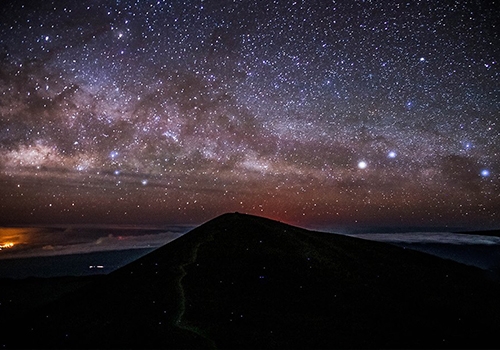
241,281
493,233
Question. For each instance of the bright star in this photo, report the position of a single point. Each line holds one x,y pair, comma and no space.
485,173
391,154
362,164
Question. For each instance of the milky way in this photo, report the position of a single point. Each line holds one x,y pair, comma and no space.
340,113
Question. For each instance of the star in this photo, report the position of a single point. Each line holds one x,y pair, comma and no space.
362,164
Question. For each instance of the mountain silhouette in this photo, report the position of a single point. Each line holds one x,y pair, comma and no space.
242,281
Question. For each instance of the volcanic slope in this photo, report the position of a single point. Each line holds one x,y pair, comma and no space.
241,281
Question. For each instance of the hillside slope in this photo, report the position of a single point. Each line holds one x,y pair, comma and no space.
240,281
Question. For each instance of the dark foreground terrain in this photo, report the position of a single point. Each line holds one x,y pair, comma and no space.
241,281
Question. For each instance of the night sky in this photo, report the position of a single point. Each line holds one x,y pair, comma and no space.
317,113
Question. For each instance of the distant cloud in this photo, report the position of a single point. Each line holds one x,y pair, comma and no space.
31,242
430,237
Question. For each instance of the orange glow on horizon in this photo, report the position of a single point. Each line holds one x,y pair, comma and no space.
11,236
6,245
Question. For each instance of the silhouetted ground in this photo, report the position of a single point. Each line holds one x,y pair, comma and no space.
18,297
241,281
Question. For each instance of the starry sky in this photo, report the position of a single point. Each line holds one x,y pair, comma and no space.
318,113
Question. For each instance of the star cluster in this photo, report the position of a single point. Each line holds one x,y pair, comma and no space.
313,112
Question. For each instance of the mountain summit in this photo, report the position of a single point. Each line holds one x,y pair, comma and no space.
242,281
